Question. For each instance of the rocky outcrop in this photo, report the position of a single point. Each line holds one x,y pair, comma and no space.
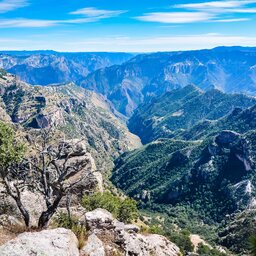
112,236
88,179
57,242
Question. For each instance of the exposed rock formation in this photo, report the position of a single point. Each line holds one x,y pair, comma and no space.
94,247
57,242
113,236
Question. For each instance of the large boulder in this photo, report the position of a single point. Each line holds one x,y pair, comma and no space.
115,237
161,246
57,242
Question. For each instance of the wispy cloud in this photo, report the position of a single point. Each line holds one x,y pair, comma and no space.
241,6
87,15
97,13
231,20
25,23
215,4
176,17
10,5
212,11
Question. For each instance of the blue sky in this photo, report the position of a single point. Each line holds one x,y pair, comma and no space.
125,25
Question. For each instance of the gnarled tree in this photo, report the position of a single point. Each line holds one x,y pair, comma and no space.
53,170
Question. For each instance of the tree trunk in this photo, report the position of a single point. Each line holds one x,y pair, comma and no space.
47,215
23,211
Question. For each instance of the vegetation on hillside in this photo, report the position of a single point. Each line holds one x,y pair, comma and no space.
124,209
177,111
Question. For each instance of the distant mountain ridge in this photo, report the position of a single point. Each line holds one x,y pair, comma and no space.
50,67
229,69
128,80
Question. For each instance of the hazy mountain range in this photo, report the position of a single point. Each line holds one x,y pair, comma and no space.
128,80
131,83
47,67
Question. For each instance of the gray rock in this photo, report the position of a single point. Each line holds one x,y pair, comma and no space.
8,221
131,228
93,247
99,219
115,235
33,202
57,242
147,245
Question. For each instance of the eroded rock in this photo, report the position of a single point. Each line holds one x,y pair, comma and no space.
57,242
124,239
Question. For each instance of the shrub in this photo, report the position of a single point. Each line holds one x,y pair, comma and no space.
204,250
123,209
182,239
253,245
128,210
156,229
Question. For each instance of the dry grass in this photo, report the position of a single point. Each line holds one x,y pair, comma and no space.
6,236
11,232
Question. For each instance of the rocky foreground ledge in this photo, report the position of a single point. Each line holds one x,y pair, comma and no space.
106,237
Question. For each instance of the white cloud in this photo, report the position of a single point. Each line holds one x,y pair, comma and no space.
211,11
231,20
176,17
97,13
215,4
10,5
25,23
241,6
88,15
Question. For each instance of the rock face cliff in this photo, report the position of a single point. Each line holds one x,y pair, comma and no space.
75,112
130,84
